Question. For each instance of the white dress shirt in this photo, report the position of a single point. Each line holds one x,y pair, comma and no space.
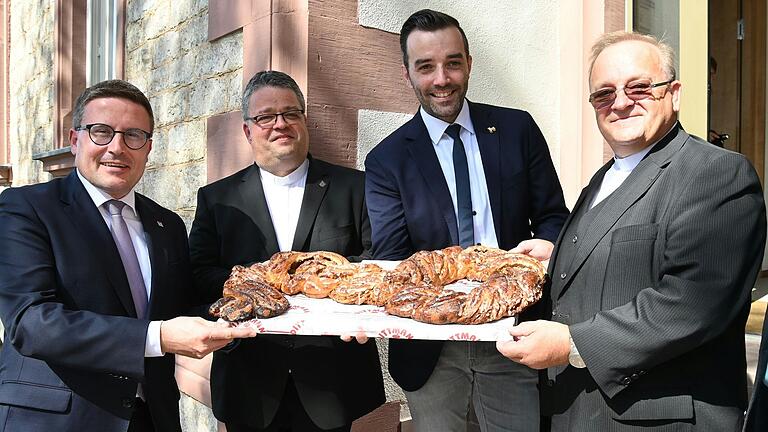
485,232
617,173
152,347
284,196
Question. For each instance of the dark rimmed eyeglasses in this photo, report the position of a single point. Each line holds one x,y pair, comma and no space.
635,90
269,120
103,134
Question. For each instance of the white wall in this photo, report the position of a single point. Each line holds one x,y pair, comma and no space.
515,46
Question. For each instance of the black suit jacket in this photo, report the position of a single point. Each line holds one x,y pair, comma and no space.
411,208
74,349
337,381
665,269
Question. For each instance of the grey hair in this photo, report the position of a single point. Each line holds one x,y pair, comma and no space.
666,53
270,79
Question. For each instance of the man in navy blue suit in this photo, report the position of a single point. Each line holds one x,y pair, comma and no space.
460,173
92,278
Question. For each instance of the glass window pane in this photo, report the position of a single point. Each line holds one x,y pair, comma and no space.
660,18
101,41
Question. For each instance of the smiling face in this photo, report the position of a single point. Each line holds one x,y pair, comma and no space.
113,168
281,148
632,125
438,71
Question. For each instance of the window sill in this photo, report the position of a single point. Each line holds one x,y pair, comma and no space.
6,175
57,162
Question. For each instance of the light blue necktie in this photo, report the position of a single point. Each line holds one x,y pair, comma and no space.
463,194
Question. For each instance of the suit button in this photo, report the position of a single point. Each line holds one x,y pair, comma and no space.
575,239
128,403
474,213
550,383
626,380
554,313
635,377
563,275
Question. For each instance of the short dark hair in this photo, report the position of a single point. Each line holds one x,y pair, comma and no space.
270,79
111,89
428,20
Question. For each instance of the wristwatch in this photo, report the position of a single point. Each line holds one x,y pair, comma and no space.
574,358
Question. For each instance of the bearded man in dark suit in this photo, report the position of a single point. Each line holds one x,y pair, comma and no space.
460,173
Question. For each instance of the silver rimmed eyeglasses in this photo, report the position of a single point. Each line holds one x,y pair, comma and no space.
635,90
103,134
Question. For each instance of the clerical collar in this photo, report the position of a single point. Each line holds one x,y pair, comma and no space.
630,162
291,179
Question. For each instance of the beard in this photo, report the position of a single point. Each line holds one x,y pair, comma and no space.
446,111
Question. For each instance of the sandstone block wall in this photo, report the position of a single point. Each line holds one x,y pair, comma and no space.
187,79
30,87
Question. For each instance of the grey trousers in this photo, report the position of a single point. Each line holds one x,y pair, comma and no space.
503,392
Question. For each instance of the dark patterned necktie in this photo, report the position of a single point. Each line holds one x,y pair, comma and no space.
128,255
463,194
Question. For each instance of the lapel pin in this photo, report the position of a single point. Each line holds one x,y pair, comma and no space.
322,183
492,129
160,224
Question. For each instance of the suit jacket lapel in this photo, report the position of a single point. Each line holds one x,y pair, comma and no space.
490,151
633,188
425,159
94,233
314,192
155,235
254,204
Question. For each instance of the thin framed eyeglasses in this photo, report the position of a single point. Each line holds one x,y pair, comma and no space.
635,90
269,120
103,134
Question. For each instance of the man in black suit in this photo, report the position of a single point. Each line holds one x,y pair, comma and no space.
286,201
88,295
506,195
652,274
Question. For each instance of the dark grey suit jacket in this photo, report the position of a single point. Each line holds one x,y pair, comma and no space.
656,293
337,381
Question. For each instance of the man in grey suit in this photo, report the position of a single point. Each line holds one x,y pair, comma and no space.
652,273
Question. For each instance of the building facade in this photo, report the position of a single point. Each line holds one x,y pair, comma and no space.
193,57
